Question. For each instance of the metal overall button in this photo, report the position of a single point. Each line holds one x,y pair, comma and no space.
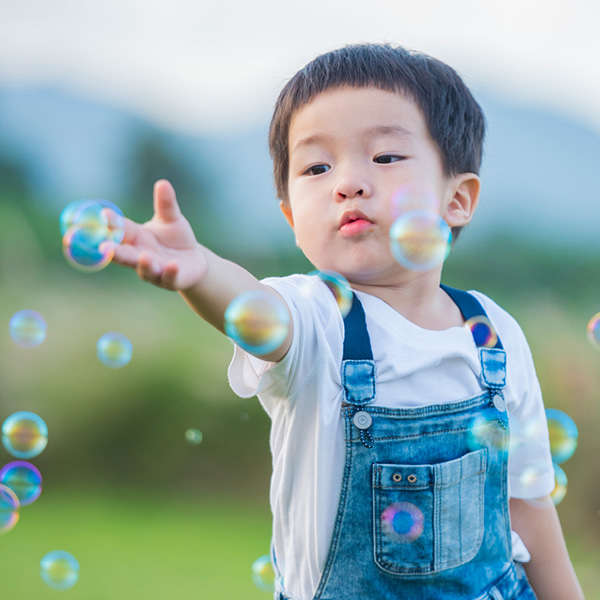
499,402
362,419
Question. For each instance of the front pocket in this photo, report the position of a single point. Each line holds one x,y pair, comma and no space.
427,518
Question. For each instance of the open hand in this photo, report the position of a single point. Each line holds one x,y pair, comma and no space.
164,250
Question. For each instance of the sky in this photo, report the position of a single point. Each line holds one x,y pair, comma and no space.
216,67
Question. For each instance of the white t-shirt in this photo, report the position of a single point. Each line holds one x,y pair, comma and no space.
303,394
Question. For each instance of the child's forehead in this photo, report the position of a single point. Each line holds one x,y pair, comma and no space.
369,111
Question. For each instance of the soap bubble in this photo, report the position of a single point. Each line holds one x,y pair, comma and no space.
560,485
59,570
403,521
85,248
27,328
420,240
9,509
483,331
23,479
563,435
24,434
339,287
486,432
193,436
593,330
257,321
263,574
114,350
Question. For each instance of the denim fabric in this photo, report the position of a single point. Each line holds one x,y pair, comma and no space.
358,377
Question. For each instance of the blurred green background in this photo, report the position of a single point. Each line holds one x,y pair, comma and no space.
148,515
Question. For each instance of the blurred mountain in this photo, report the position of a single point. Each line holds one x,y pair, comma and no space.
539,176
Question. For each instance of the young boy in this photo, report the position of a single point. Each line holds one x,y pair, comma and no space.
378,489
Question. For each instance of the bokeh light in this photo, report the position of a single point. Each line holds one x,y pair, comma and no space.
193,436
114,350
483,331
24,479
263,574
563,435
9,509
486,432
257,321
403,520
24,434
27,328
340,288
420,240
59,570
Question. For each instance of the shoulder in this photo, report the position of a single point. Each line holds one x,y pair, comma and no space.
504,323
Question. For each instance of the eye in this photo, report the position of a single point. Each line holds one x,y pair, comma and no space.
386,159
317,170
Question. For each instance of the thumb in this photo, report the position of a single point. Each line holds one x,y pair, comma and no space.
165,202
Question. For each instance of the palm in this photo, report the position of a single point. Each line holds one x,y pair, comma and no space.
163,250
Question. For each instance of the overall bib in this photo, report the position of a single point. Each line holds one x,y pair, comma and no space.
423,509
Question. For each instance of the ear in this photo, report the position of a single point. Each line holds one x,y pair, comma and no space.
287,212
461,207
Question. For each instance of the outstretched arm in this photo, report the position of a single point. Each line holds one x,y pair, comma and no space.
549,571
164,251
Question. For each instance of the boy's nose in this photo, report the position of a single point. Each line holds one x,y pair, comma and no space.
349,187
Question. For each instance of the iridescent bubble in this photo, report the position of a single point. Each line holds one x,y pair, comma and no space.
563,435
560,485
483,331
486,432
27,328
414,197
9,509
403,520
193,436
23,479
24,434
59,570
263,574
339,287
593,330
257,321
114,350
85,248
420,240
94,214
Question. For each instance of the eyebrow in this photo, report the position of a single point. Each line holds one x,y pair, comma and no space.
396,131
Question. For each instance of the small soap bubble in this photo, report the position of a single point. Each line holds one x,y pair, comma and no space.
86,250
486,432
9,509
94,214
27,328
414,197
563,435
483,331
339,287
24,434
263,574
23,479
114,350
403,520
257,321
193,436
560,485
593,330
420,240
59,570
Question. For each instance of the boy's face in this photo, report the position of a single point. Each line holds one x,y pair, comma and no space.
350,150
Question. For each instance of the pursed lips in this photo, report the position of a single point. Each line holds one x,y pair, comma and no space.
354,222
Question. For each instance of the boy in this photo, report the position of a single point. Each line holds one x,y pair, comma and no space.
378,490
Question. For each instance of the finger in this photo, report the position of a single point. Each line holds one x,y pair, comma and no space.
169,275
149,269
165,202
125,255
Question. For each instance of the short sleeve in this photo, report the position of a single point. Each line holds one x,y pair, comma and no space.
530,469
314,320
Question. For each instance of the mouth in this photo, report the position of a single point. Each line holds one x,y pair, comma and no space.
354,222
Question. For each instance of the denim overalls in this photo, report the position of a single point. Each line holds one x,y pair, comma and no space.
423,510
